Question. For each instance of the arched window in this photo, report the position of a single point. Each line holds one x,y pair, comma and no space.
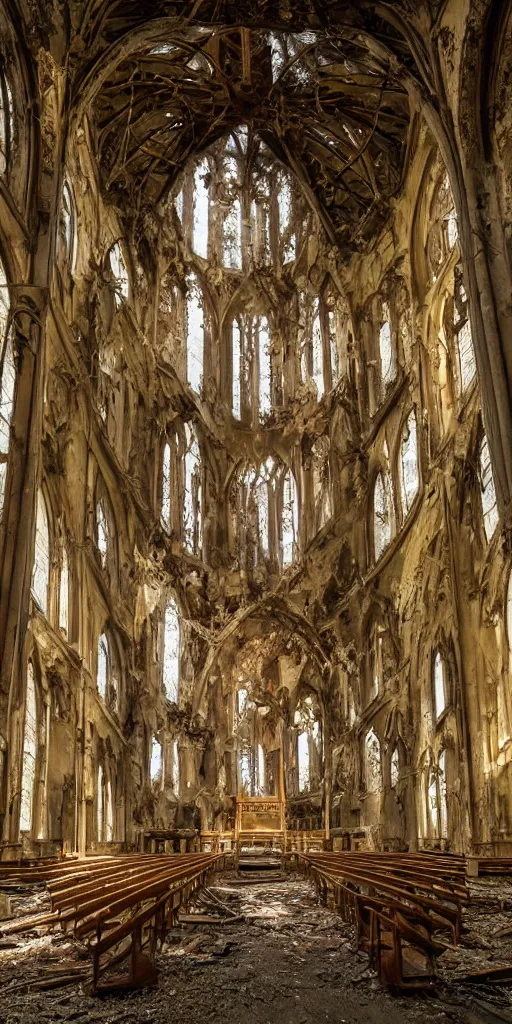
109,813
440,688
443,232
303,761
7,381
245,770
376,680
6,123
232,237
409,476
382,515
102,671
287,237
488,490
69,224
99,805
317,350
333,348
175,767
462,330
166,486
395,767
372,762
236,354
41,571
64,591
192,518
156,763
104,807
171,658
289,519
201,209
443,803
437,806
102,531
195,335
28,771
120,273
387,356
265,369
261,770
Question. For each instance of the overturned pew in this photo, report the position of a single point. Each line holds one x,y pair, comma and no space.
406,908
122,907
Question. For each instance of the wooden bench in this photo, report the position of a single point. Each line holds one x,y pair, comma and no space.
120,905
401,906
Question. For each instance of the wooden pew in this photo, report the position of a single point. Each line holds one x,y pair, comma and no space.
400,906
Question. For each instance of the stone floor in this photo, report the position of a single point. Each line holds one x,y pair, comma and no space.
286,960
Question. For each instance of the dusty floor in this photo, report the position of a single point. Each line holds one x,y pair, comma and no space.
288,961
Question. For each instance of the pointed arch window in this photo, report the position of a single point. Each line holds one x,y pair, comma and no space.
7,381
102,672
289,519
382,514
120,273
175,767
462,329
41,571
109,813
261,770
443,802
444,230
236,354
287,237
487,490
64,591
102,531
245,770
195,335
28,771
409,475
437,805
265,369
303,762
317,350
166,486
99,805
440,687
262,504
6,123
387,356
156,764
171,657
333,348
372,762
232,237
69,224
201,209
192,519
104,807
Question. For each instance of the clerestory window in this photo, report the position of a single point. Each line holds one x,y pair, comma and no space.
487,490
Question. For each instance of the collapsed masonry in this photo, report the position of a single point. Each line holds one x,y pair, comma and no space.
255,422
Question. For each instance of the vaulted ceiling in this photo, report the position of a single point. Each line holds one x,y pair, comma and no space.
328,98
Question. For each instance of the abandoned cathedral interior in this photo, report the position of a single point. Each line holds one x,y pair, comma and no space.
255,486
